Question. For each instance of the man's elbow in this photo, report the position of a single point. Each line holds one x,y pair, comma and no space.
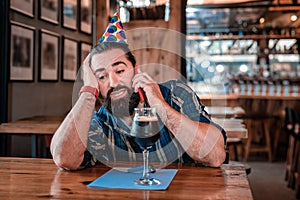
218,159
65,161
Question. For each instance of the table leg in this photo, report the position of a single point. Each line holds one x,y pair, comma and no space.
34,146
3,145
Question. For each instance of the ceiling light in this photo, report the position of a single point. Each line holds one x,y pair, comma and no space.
243,68
211,69
262,20
205,64
293,17
192,22
220,68
191,9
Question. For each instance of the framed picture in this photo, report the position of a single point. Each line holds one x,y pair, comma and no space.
70,13
49,56
25,6
85,50
48,10
69,60
22,53
86,16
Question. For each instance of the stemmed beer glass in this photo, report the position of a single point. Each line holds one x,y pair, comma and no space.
146,131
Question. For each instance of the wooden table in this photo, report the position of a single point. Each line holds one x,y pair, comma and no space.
235,128
36,178
224,111
47,125
224,116
34,126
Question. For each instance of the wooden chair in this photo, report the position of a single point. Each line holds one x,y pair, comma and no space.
298,178
293,161
289,126
232,147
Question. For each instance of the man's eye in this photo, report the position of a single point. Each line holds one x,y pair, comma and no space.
102,77
120,71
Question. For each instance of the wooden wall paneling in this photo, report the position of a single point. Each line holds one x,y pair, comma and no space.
4,59
102,18
4,55
36,98
152,46
176,23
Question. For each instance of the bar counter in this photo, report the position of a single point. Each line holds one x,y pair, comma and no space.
36,178
253,104
269,109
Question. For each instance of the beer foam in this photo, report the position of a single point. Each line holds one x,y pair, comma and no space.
147,119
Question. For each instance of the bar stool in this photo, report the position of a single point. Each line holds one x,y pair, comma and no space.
258,124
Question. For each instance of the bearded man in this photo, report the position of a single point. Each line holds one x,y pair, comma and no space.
109,73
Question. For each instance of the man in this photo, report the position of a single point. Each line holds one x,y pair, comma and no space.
110,73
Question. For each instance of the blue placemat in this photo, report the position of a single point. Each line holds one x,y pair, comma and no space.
125,180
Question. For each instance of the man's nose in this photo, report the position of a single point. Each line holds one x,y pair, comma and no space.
113,80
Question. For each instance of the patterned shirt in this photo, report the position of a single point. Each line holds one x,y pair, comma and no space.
109,138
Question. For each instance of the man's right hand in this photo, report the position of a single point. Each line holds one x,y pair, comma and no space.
89,79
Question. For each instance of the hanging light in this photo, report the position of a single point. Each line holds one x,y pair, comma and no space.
243,68
220,68
293,18
211,69
205,63
262,20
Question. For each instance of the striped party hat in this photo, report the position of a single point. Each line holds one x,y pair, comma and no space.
114,31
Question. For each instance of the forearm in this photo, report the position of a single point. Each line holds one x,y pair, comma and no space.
69,141
202,141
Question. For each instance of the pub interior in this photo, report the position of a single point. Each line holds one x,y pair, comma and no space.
241,57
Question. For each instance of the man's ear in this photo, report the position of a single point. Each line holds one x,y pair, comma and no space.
136,69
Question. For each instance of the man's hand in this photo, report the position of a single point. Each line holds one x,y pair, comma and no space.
89,78
150,87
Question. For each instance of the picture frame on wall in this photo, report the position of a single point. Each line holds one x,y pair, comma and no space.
86,16
70,13
49,56
85,50
69,60
49,10
25,7
22,53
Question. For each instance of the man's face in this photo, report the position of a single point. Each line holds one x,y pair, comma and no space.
114,72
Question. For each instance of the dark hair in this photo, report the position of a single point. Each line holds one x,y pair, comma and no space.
105,46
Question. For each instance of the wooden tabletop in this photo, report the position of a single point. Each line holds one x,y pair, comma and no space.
47,125
224,116
224,111
234,128
35,178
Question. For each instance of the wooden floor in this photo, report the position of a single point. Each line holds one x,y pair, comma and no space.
272,185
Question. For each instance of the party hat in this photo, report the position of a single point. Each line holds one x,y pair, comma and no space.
114,31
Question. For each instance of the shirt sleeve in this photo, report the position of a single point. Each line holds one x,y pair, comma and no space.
88,160
186,101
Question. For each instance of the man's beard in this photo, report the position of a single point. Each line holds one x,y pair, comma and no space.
122,107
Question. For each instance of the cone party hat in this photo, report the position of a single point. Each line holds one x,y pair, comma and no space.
114,31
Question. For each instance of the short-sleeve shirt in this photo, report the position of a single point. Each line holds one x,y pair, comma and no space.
109,137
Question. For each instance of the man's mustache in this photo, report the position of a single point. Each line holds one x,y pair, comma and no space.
133,100
116,89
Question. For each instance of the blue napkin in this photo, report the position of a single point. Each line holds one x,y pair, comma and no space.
125,180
